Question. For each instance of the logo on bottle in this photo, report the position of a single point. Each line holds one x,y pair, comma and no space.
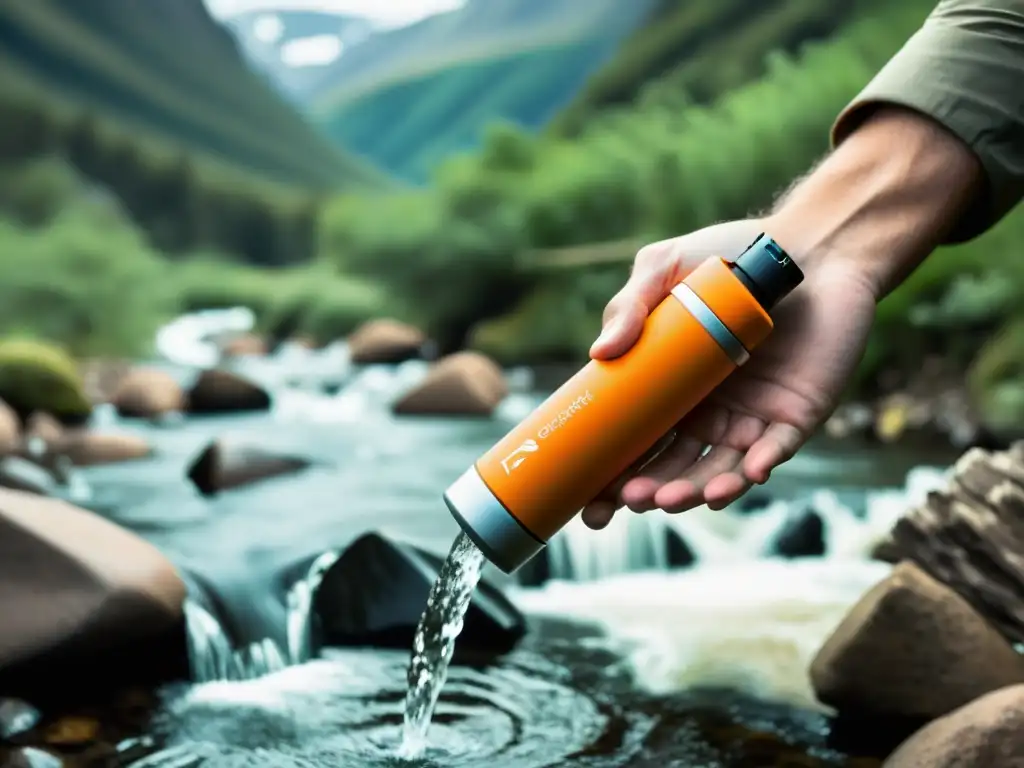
518,456
563,416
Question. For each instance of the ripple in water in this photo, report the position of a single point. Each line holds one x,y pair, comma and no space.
346,710
434,642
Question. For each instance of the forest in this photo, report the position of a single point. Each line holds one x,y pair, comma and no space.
106,235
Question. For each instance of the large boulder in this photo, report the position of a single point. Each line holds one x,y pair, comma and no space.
375,592
385,341
148,393
40,377
987,733
220,391
86,605
970,535
912,648
225,464
462,384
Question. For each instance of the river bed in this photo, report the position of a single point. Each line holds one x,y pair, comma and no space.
628,663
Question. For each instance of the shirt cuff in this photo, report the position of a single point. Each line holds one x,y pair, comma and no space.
963,69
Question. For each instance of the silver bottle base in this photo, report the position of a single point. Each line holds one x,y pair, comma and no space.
502,538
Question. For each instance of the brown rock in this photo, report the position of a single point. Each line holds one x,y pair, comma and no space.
385,341
147,393
466,383
247,344
225,464
84,601
71,731
912,647
220,391
987,733
10,430
970,536
42,426
86,449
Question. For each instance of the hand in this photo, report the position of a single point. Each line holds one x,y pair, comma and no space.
768,408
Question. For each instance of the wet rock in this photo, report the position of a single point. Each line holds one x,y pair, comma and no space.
35,376
802,535
22,474
225,464
16,717
677,551
385,341
376,591
220,391
86,449
148,393
970,535
10,430
463,384
43,427
71,731
85,603
986,733
30,757
244,345
911,647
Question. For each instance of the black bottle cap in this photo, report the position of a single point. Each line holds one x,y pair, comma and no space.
767,271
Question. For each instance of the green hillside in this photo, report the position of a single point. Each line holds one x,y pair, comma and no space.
703,49
153,103
129,60
408,98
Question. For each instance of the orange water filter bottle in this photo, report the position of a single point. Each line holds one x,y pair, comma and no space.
610,413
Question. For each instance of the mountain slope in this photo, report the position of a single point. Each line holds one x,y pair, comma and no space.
408,97
703,48
264,38
167,68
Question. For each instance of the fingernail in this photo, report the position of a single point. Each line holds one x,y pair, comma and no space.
608,332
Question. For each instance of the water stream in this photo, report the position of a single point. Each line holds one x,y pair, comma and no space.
435,638
631,659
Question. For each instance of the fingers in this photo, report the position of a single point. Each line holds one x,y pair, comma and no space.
776,446
689,490
648,284
638,493
599,512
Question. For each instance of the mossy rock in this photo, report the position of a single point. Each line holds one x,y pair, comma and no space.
996,381
36,376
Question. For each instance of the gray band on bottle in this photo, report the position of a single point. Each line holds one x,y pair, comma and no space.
495,531
719,332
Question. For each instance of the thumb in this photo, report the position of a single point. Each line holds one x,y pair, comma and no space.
624,320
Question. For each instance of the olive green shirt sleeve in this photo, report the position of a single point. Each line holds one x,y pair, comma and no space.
965,69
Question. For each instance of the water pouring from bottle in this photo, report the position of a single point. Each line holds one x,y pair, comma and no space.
434,643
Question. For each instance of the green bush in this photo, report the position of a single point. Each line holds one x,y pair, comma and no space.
87,281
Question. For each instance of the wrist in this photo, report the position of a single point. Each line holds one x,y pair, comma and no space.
881,202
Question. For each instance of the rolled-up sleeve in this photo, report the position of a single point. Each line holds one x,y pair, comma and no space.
965,69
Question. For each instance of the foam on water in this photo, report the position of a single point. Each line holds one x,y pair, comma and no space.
739,617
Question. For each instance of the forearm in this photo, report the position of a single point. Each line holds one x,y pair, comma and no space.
882,201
